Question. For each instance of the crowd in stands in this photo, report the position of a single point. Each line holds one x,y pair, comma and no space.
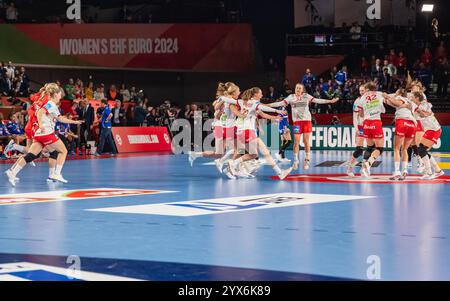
14,81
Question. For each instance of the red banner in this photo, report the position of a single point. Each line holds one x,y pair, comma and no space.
142,139
193,47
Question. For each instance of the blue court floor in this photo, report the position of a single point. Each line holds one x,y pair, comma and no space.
156,218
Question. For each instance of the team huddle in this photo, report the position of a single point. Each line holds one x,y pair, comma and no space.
237,142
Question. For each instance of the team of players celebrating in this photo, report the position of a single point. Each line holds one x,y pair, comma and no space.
236,131
237,142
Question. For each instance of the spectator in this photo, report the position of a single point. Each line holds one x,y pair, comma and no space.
139,114
355,30
89,91
133,94
124,93
424,75
70,90
377,70
389,67
105,133
441,51
272,94
402,64
152,118
86,112
386,81
118,114
61,89
67,136
113,94
427,57
287,89
100,93
79,89
341,76
12,14
441,75
393,58
309,80
364,67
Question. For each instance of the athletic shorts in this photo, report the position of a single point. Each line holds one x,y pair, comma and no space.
218,132
229,133
405,128
47,139
302,127
373,129
433,135
246,136
419,127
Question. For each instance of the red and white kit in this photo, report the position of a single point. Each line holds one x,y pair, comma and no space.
405,122
430,124
372,104
46,135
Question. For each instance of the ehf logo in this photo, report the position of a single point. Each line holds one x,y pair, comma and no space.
118,139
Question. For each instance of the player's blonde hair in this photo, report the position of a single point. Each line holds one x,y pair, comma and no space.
229,88
52,89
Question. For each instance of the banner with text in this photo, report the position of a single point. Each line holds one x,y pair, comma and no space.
343,138
193,47
142,139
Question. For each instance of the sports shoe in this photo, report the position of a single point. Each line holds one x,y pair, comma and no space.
295,165
9,148
365,173
219,165
427,176
285,161
285,173
404,174
350,171
58,178
228,173
439,174
306,165
49,180
396,176
11,177
33,164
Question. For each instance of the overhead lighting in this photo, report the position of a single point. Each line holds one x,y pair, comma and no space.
427,8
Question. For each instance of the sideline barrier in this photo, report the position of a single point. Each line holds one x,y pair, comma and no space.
142,139
343,138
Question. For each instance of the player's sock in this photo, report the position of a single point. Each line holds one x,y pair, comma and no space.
308,156
16,169
397,166
58,169
405,165
434,164
227,156
198,154
277,170
427,163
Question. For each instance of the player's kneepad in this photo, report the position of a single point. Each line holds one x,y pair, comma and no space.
381,150
358,152
368,152
423,150
54,155
30,157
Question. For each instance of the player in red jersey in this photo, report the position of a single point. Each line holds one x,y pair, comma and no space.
45,137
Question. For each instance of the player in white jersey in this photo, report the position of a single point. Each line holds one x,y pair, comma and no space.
416,86
218,130
371,107
45,136
248,139
301,116
432,134
405,130
359,129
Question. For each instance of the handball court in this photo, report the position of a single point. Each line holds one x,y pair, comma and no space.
149,217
